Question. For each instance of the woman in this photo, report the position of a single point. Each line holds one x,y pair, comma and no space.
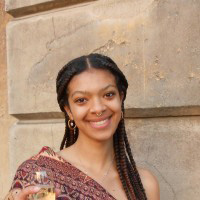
95,161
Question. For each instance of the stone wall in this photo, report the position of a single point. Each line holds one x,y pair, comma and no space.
156,44
6,121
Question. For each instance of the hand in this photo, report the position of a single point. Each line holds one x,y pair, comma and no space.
23,194
18,194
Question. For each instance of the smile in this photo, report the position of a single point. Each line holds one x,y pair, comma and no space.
100,124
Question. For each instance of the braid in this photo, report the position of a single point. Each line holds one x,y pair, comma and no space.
66,135
118,164
134,180
133,168
125,163
69,137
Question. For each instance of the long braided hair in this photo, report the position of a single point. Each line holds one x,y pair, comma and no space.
125,163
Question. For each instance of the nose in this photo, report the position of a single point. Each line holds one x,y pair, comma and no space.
97,106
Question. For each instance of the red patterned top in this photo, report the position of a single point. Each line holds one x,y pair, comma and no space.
73,183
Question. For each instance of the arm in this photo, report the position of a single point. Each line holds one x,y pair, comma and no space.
150,184
22,184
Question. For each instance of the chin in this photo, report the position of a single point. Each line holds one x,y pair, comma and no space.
103,137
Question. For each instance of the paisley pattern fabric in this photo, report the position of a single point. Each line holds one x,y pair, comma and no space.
72,182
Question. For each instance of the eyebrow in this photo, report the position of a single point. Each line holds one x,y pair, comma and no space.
85,92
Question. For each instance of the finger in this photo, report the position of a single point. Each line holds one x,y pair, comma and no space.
29,190
58,192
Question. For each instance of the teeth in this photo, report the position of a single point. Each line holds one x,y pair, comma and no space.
100,122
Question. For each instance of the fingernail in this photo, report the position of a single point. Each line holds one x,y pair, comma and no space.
36,189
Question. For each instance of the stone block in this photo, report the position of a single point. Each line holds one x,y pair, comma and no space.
169,147
155,43
27,139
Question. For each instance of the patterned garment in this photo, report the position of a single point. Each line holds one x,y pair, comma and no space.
73,183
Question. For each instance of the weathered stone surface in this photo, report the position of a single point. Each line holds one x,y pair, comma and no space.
155,43
167,146
27,139
5,119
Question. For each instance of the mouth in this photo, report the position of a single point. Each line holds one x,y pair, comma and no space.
101,124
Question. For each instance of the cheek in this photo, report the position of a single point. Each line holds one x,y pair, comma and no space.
116,106
119,115
116,109
78,113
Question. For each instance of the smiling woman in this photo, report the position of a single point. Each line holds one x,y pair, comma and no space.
95,161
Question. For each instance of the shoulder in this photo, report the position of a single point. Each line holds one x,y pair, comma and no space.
44,152
35,162
150,184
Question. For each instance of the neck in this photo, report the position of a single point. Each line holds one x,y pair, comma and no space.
94,154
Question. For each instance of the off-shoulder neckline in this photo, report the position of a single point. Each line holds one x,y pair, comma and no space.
60,158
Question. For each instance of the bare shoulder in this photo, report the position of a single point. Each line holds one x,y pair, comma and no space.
150,184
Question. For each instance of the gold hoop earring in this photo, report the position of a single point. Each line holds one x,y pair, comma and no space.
71,124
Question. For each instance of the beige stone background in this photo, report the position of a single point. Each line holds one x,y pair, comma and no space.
6,120
157,45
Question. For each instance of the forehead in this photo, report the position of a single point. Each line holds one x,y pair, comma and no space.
91,80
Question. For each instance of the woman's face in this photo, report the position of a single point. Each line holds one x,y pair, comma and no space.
91,93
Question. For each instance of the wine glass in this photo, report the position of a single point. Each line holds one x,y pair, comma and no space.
45,182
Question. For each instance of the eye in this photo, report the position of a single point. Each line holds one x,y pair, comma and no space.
110,94
80,100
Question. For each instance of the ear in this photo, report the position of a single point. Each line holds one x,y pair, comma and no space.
67,109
